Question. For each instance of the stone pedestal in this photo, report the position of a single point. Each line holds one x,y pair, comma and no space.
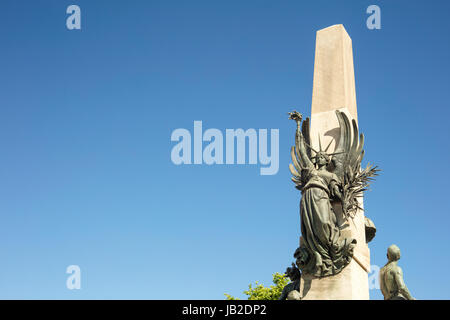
347,285
334,89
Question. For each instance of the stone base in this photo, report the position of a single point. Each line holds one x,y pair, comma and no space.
350,284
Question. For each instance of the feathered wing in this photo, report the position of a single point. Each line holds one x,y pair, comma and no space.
347,160
300,164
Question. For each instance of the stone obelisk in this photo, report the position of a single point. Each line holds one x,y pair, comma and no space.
334,89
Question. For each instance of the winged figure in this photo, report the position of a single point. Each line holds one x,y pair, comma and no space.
324,178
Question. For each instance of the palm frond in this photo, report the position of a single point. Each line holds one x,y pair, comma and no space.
357,181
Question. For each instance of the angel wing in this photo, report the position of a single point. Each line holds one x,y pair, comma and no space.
301,154
347,161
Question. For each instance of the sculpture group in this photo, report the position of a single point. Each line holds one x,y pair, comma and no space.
323,179
332,260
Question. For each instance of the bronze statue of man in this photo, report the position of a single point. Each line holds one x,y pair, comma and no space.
391,277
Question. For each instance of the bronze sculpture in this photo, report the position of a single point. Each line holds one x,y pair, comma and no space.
324,178
292,290
391,277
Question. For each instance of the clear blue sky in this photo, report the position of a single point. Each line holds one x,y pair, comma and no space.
85,124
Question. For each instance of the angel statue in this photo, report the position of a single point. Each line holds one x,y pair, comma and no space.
326,178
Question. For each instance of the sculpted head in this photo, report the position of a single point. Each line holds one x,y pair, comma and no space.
393,253
322,159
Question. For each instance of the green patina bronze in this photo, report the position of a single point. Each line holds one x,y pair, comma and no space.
324,178
292,290
391,277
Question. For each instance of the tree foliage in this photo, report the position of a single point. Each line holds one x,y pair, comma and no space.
259,292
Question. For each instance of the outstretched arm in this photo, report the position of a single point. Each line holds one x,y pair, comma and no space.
300,141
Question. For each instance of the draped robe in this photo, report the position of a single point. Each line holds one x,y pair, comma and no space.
327,253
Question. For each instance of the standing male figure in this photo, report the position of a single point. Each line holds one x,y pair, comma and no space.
391,277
